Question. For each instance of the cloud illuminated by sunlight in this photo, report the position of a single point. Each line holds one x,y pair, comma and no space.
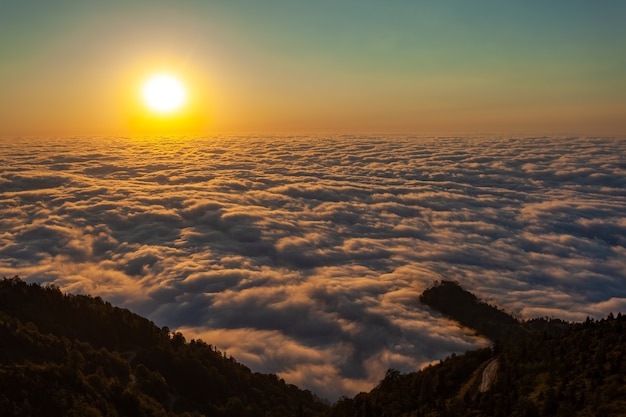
305,256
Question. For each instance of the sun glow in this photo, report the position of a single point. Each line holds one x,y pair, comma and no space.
164,93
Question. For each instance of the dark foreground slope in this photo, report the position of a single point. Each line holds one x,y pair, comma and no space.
72,355
551,369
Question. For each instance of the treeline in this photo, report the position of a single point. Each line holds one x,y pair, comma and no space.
449,298
75,355
581,372
544,367
432,391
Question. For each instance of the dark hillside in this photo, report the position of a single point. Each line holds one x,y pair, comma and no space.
68,355
551,369
453,301
72,355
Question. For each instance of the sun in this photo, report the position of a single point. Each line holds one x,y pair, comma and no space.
164,93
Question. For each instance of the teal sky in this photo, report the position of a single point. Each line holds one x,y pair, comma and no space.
536,67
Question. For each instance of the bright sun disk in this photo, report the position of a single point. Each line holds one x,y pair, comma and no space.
164,93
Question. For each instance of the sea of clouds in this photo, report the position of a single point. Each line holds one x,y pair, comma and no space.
305,256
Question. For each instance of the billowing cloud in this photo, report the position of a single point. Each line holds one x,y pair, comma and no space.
305,256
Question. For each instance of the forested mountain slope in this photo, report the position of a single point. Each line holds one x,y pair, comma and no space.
544,368
74,355
450,299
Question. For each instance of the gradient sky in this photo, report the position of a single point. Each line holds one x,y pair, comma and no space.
75,67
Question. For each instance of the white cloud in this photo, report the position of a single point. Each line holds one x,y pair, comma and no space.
306,257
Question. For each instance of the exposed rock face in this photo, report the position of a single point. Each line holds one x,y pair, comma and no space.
489,375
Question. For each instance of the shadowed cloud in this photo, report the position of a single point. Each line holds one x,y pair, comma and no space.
305,256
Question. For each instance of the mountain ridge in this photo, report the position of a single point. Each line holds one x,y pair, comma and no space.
63,354
540,367
451,300
77,355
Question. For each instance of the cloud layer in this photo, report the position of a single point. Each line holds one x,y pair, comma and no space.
305,256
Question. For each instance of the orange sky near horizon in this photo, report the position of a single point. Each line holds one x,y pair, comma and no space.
285,68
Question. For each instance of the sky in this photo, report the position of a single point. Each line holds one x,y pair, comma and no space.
74,67
476,141
305,256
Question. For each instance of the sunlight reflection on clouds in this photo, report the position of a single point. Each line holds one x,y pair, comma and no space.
305,256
